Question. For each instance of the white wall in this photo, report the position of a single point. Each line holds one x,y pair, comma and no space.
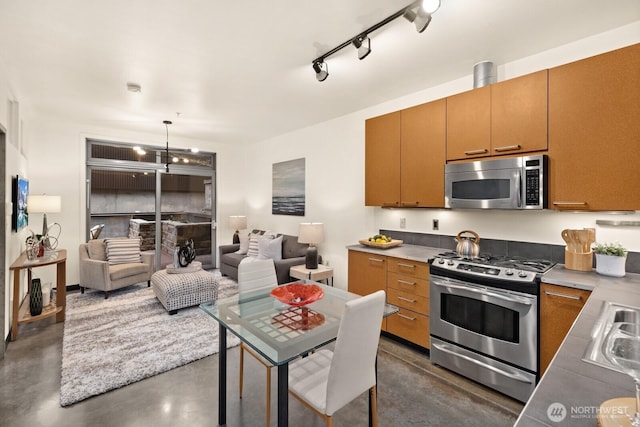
334,153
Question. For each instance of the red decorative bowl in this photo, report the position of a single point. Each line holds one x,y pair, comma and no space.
297,294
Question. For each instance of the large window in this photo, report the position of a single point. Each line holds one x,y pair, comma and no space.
130,194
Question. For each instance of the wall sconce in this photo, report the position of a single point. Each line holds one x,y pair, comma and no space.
237,222
311,233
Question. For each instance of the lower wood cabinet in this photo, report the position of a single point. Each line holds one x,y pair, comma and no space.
407,286
559,308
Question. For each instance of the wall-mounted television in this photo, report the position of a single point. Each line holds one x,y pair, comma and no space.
20,214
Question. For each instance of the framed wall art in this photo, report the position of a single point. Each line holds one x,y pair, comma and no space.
20,215
288,188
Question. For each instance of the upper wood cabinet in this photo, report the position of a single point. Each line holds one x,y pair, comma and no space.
469,124
405,157
594,132
503,118
382,160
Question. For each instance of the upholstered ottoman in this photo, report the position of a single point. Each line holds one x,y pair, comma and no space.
177,290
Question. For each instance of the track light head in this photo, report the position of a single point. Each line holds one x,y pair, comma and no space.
430,6
322,69
363,45
421,19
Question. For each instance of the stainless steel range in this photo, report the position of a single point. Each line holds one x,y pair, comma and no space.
484,319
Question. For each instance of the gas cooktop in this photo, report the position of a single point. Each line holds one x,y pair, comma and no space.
509,262
491,269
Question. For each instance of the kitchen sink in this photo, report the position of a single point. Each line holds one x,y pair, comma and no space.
611,313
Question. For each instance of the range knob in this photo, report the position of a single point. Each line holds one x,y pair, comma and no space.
522,274
441,261
450,262
509,272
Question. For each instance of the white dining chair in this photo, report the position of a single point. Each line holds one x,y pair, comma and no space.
326,381
256,274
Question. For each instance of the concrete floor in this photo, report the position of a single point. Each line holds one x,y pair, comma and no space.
411,392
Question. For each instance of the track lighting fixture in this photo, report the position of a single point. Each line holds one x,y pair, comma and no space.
419,13
363,44
321,68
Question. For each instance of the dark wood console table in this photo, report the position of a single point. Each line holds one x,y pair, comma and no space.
56,308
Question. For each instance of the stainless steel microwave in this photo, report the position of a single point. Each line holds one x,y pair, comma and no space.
511,183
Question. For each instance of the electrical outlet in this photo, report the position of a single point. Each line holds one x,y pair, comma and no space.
403,222
436,224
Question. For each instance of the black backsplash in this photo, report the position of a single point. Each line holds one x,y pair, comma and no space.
553,253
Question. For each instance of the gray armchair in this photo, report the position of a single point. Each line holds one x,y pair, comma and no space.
97,273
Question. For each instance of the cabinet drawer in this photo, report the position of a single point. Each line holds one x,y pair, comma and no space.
409,284
411,326
408,267
408,300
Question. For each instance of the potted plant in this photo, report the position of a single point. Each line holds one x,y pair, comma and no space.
610,259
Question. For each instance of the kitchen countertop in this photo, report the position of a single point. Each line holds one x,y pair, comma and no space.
579,386
410,252
576,387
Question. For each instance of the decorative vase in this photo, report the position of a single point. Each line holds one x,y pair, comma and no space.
35,298
610,265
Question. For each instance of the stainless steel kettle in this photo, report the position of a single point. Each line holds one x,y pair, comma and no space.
468,246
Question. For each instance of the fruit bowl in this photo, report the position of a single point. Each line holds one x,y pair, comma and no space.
383,245
297,294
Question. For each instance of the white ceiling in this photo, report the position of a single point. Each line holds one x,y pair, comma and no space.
240,71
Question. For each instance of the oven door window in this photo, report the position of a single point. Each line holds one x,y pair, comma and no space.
481,317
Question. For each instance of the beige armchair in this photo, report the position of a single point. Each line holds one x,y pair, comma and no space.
97,273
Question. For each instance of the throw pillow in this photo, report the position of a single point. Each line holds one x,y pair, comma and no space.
244,243
252,250
97,249
123,251
269,248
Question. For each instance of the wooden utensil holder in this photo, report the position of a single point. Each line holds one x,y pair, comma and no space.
578,261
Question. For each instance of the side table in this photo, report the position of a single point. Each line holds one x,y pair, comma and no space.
56,308
323,272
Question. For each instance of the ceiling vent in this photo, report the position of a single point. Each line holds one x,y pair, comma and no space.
483,74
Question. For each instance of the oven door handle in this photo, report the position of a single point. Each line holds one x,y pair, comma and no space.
513,375
509,298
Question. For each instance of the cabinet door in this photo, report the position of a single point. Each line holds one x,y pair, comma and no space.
559,307
382,160
411,326
594,130
469,124
367,272
519,114
422,152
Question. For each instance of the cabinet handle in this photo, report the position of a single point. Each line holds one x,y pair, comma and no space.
389,203
406,317
400,264
508,148
472,152
406,282
409,203
406,299
569,203
376,259
558,294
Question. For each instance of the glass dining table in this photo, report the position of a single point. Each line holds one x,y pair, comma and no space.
278,332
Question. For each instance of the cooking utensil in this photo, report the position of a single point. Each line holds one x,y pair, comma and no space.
468,246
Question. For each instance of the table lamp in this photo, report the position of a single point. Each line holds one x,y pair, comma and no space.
44,204
238,222
311,233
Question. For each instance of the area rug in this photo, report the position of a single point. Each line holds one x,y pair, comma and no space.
111,343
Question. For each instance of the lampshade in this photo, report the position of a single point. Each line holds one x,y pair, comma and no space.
238,222
311,232
44,204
